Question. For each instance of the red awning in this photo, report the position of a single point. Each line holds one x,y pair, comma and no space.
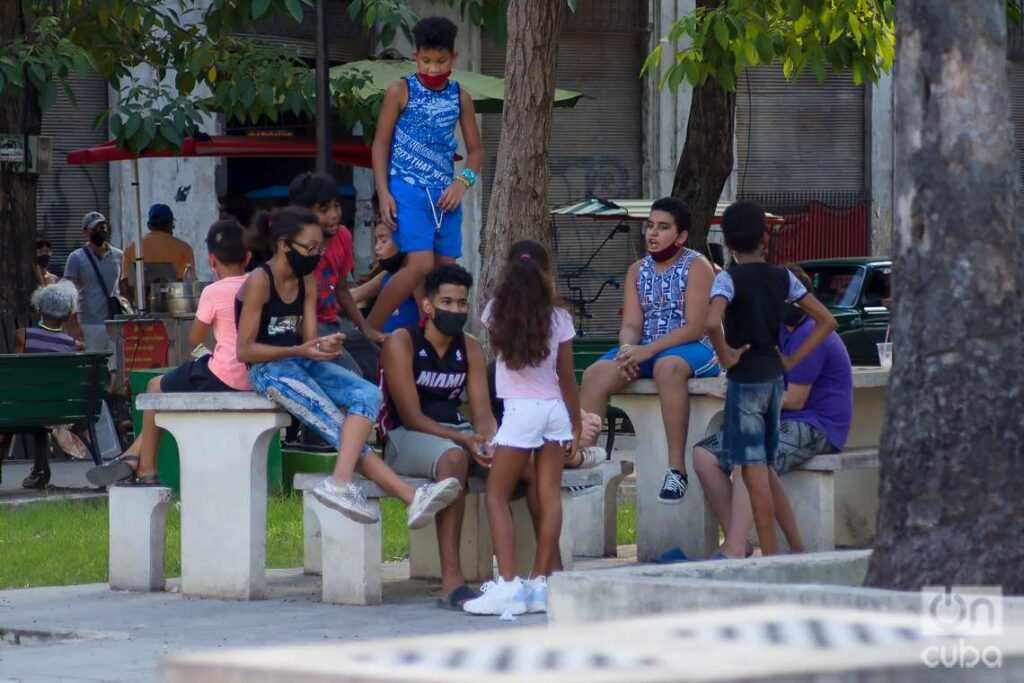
345,154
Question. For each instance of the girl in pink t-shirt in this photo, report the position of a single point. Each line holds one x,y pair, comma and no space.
219,371
532,340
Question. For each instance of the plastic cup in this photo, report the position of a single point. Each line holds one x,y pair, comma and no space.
885,354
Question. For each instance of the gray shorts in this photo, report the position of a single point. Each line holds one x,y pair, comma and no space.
798,443
415,454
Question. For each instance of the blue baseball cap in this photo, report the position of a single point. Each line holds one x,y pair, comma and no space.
160,213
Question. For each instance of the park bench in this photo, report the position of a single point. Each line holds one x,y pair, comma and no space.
348,555
39,390
812,492
222,443
691,525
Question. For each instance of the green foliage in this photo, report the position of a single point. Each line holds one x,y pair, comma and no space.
721,42
203,68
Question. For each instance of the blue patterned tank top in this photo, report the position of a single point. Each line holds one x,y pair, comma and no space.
663,297
423,145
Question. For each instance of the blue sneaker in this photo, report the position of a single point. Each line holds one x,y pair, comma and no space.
673,556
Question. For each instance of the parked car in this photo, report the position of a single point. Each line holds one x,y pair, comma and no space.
856,291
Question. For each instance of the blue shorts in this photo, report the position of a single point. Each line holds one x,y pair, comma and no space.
700,358
751,428
417,221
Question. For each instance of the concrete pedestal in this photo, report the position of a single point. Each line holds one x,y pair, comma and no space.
222,441
689,525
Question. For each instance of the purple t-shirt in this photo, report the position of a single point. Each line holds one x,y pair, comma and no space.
829,406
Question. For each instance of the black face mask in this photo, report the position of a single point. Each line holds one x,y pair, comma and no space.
449,323
391,264
792,315
98,237
43,260
303,265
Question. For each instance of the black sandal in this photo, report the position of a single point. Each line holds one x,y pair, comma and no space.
114,471
144,480
457,598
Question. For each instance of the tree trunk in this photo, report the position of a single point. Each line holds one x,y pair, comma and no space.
952,456
19,114
706,162
518,208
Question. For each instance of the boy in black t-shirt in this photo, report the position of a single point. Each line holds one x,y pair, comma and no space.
750,296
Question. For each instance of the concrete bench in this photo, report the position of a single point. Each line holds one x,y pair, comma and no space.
138,524
812,492
222,446
691,525
347,555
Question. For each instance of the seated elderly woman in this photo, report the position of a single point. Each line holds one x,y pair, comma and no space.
55,304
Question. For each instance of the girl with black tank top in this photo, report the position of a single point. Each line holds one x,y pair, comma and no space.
288,363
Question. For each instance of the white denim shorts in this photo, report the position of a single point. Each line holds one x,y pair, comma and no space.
529,422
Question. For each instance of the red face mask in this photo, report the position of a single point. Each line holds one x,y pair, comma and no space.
434,82
666,253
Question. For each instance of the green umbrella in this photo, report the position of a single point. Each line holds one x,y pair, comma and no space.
488,92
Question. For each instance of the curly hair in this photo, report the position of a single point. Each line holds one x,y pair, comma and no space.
520,325
435,33
57,301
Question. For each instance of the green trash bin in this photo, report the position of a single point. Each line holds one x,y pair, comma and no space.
587,350
167,464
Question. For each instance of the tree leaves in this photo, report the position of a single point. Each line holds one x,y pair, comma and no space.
722,41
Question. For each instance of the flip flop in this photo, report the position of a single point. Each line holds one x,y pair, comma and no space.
456,598
113,471
673,556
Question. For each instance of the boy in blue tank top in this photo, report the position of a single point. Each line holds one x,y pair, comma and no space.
414,147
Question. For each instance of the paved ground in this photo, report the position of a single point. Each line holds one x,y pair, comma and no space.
114,636
118,636
67,480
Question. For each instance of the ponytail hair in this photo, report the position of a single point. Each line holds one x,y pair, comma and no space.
269,227
520,325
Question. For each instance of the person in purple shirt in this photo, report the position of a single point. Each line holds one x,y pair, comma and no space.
817,409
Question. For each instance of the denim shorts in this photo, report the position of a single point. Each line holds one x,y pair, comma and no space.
751,428
798,442
699,357
317,393
417,221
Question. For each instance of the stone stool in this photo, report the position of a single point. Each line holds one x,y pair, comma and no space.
138,524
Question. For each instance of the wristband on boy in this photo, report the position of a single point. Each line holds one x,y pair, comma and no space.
468,177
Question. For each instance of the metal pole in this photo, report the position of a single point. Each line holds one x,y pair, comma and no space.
323,93
140,280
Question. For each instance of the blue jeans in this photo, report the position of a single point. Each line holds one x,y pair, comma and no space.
751,429
315,391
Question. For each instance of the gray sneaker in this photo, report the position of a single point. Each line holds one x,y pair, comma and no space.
430,499
348,499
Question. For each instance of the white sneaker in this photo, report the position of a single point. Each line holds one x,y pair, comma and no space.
430,499
347,498
592,456
498,597
536,594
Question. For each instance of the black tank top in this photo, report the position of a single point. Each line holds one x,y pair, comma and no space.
439,381
280,323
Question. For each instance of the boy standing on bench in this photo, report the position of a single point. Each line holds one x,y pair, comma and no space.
750,296
424,370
